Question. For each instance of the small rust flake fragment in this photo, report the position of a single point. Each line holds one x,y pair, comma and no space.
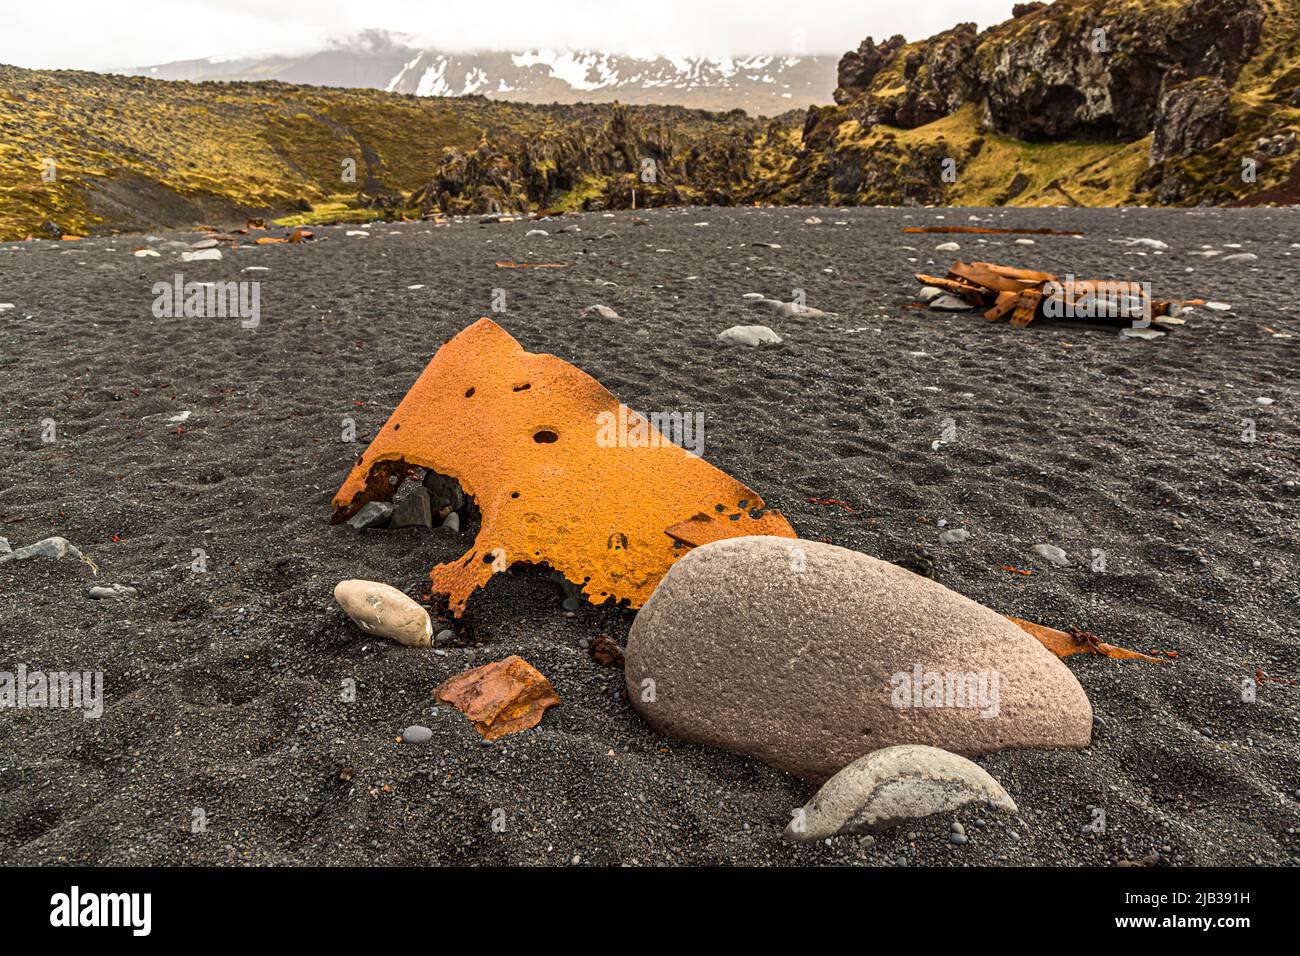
500,698
606,652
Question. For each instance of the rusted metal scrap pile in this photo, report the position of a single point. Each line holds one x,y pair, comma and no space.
1025,295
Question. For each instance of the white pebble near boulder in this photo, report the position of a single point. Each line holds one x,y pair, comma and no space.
892,786
384,611
808,656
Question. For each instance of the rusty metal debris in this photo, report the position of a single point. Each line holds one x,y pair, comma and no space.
1076,641
527,437
983,231
605,651
500,698
1024,295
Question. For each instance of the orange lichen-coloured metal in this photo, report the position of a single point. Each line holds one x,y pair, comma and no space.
500,698
1064,644
528,436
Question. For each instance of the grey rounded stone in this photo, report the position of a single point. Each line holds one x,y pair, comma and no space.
414,510
954,536
1053,554
111,592
950,303
601,311
373,514
572,604
1130,332
751,335
808,656
452,522
793,310
894,786
415,734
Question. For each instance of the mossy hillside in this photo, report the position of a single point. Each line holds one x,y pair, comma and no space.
266,146
1003,170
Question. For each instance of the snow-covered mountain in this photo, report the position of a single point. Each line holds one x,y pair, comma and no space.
766,84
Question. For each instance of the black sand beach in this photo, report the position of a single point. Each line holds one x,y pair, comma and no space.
224,690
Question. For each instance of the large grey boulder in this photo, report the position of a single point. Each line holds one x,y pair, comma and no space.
892,786
808,656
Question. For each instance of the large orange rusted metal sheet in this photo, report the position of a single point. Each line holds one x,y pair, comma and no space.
528,436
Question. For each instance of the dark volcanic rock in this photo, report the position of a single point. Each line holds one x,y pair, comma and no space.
1094,70
1112,71
1191,116
662,161
858,68
1101,75
936,79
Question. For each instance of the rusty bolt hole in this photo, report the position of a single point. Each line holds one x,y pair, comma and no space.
469,392
524,387
545,437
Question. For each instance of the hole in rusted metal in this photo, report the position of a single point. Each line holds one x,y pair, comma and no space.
524,387
469,392
545,437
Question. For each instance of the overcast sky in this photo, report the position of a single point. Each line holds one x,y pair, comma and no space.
104,34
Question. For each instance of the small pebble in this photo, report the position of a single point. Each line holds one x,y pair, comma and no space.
1053,554
416,734
111,592
373,514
